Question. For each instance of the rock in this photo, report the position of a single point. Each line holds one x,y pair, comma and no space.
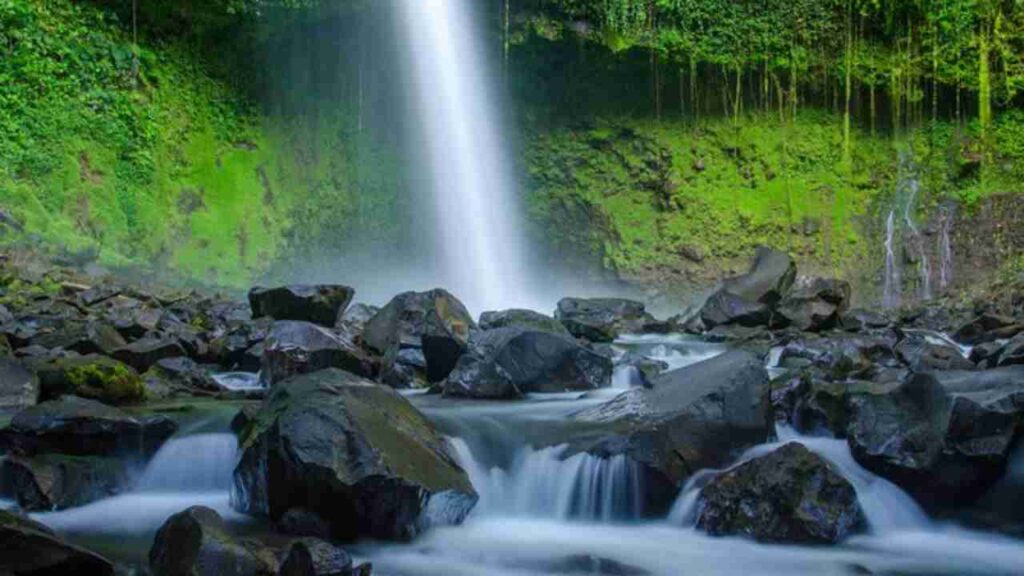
355,317
93,376
602,319
724,308
859,320
986,354
522,319
78,426
942,436
986,328
696,417
816,305
82,337
144,353
790,495
243,419
511,362
692,253
358,453
302,522
57,481
28,547
769,280
433,321
922,353
323,304
241,347
196,542
180,376
314,557
1013,353
19,387
294,347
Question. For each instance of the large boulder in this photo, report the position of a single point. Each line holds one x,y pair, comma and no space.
179,376
57,481
987,328
522,319
922,352
769,280
294,347
314,557
942,436
1013,353
510,362
790,495
195,542
433,321
321,305
93,376
723,308
693,418
816,304
28,548
19,386
603,319
144,353
79,426
357,453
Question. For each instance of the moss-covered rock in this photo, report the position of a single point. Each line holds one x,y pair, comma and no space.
97,377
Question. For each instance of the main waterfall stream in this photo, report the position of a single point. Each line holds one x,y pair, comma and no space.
540,514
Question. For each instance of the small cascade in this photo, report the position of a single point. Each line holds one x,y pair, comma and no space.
947,217
626,377
911,188
901,227
200,463
886,507
892,290
541,483
239,381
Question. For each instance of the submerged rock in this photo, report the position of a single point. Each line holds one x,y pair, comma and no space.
28,547
196,542
696,417
322,304
602,319
511,362
294,348
357,453
435,322
790,495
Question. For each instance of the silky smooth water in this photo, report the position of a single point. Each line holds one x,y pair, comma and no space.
471,186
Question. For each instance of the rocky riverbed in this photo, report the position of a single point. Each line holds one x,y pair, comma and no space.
317,435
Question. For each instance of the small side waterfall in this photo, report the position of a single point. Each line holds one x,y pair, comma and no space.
541,484
903,238
947,218
892,290
914,237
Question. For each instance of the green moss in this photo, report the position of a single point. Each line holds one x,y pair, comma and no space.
106,380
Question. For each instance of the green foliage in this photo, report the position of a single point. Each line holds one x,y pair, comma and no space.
105,380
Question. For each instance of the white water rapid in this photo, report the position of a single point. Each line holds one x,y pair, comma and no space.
471,184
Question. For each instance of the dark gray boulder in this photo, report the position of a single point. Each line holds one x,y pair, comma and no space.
522,319
723,308
79,426
357,453
314,557
294,347
510,362
29,548
144,353
57,481
769,280
434,321
1013,352
179,376
195,542
697,417
789,496
815,305
93,376
354,319
921,353
322,304
19,386
603,319
987,328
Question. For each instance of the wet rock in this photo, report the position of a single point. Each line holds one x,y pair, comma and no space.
314,557
986,328
82,337
143,354
179,376
19,387
725,308
527,319
434,321
353,320
1013,353
986,355
923,354
511,362
29,547
816,305
769,280
302,522
243,419
322,304
942,436
859,320
842,356
79,426
294,348
602,319
590,565
358,453
57,481
196,542
97,377
696,417
790,495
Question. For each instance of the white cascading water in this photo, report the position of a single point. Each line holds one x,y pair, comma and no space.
892,289
475,212
924,265
947,216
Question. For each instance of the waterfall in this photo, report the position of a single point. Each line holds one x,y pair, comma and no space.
542,483
924,266
199,463
474,209
947,215
892,290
